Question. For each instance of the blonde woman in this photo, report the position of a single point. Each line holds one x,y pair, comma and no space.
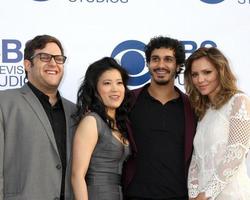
218,169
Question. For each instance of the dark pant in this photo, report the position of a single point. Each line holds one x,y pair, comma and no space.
136,198
132,198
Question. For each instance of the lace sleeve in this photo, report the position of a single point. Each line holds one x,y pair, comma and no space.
237,147
193,190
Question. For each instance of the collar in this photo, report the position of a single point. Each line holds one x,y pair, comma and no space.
40,94
148,96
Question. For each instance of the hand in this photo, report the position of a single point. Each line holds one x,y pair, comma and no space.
201,196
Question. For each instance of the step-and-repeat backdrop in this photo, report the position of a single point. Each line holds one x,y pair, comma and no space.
92,29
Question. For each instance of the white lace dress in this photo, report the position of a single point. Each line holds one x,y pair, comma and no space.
221,144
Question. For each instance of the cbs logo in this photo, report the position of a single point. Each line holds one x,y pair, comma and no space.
131,55
212,1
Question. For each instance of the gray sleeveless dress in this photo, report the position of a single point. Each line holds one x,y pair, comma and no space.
103,177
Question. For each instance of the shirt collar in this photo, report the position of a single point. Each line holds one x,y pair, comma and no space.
40,94
148,96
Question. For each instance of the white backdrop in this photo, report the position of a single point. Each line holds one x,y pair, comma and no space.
91,29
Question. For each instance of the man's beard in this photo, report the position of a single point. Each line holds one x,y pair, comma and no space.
161,82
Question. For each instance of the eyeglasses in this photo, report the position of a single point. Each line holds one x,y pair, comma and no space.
45,57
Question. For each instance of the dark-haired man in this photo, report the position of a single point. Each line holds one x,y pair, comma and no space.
36,128
163,127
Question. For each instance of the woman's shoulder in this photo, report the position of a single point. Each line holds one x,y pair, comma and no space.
239,104
99,121
240,98
93,114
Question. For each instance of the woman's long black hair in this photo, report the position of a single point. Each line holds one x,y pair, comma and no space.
88,99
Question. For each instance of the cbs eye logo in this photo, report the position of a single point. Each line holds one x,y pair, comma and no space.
212,1
131,55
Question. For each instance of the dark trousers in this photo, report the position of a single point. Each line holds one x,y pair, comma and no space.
136,198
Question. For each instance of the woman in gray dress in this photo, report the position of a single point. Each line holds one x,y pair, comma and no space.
100,143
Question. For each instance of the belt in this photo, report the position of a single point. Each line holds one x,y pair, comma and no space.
103,179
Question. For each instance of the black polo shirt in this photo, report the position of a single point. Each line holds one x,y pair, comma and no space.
159,136
57,120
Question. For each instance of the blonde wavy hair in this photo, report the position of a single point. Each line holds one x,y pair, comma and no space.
227,80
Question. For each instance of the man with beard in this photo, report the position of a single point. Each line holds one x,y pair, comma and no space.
163,126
